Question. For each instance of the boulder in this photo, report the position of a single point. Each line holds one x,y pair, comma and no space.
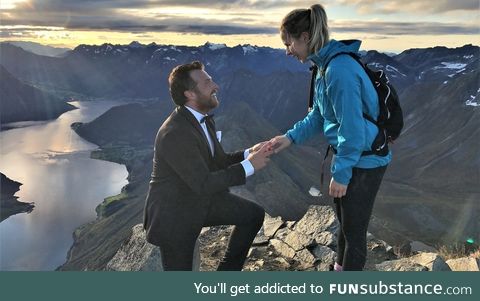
324,254
282,248
464,264
431,260
298,240
326,238
317,219
271,225
137,254
306,258
400,265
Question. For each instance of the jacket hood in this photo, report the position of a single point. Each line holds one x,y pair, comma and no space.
333,47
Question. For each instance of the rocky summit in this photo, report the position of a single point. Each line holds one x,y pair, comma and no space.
305,245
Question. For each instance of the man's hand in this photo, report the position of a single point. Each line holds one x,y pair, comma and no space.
259,158
336,189
279,143
256,147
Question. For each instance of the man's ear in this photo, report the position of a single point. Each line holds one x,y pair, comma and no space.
189,94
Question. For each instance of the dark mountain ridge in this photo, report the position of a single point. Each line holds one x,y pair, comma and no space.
22,102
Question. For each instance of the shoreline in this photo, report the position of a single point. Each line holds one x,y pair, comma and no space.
109,205
9,204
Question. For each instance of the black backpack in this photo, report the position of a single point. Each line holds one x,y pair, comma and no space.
390,118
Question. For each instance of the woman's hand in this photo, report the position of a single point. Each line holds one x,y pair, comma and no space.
336,189
279,143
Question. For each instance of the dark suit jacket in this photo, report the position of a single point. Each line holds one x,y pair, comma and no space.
185,176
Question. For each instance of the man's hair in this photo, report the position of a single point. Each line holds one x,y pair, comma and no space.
312,20
180,81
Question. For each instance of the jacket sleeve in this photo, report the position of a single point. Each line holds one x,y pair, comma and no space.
344,91
310,125
183,155
235,157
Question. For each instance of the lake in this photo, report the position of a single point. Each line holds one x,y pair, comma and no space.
53,164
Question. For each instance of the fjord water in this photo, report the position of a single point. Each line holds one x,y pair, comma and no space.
53,164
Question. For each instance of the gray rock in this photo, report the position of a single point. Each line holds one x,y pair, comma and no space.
378,251
282,233
324,254
282,248
418,246
317,219
298,240
464,264
290,224
257,252
431,260
306,258
271,225
323,266
400,265
260,239
282,262
326,238
137,254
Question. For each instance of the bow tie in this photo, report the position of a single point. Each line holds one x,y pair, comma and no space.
207,118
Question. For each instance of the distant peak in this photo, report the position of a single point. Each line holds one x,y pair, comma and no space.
249,49
213,46
136,44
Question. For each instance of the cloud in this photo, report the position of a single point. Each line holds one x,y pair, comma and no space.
404,28
111,15
421,7
244,16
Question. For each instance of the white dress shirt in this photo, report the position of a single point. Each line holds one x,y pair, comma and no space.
247,166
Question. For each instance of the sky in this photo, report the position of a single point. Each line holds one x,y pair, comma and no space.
384,25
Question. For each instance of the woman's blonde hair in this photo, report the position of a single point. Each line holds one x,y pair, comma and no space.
313,21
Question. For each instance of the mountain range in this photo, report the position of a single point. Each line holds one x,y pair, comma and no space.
40,49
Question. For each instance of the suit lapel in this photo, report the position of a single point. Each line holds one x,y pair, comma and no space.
213,134
189,116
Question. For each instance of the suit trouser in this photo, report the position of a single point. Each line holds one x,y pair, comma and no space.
247,217
354,211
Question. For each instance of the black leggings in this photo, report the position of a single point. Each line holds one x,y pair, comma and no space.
177,250
354,211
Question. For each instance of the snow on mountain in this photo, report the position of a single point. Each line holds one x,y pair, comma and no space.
214,47
472,101
248,49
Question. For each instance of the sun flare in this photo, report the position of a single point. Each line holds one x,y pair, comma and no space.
11,4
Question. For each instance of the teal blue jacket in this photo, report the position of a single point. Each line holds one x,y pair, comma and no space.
340,100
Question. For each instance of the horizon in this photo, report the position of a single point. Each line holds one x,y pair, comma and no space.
208,42
386,26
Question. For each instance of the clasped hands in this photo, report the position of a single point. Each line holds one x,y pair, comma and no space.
260,152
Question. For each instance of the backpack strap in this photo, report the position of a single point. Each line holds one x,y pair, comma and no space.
314,70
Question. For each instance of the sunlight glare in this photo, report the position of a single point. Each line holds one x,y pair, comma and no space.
11,4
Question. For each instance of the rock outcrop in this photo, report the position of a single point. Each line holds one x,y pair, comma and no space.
9,204
304,245
464,264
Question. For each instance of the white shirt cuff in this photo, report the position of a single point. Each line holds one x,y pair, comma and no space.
248,167
246,153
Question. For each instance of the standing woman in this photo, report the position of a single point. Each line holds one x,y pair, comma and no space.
342,94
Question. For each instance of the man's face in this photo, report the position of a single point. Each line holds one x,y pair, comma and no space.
204,90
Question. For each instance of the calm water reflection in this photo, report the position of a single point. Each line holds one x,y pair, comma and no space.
53,164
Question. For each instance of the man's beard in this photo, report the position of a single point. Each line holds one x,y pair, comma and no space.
207,102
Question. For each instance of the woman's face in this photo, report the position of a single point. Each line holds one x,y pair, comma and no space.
296,47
